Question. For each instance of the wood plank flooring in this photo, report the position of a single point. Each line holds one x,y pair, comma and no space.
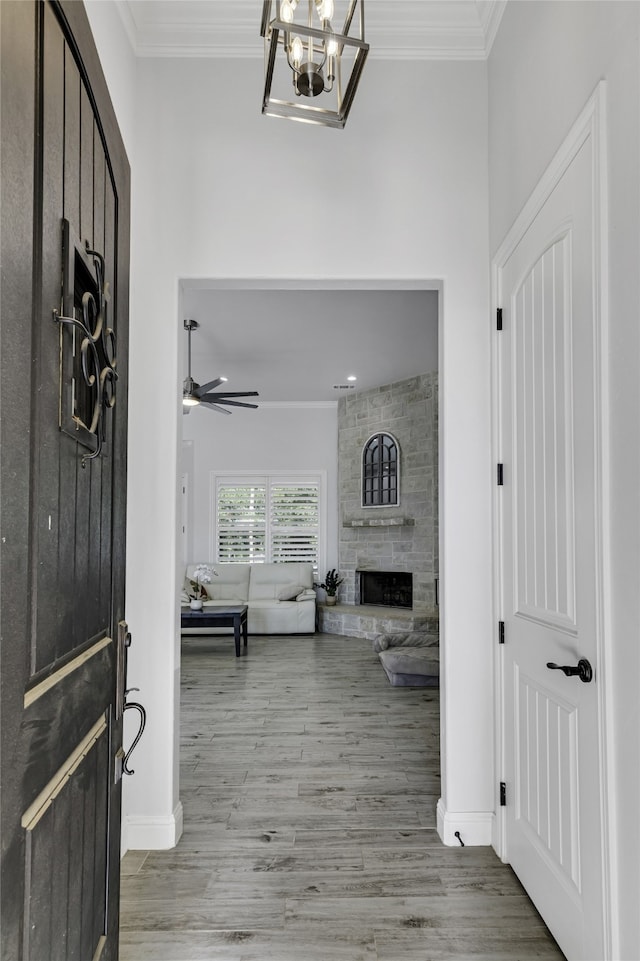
309,787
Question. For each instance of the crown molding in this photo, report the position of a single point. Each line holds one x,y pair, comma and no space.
490,16
124,11
279,404
397,30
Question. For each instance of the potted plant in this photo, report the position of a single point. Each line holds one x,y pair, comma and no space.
331,584
195,591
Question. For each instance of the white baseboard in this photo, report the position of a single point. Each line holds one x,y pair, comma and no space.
152,833
475,827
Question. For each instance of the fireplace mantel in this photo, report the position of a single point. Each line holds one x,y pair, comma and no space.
379,522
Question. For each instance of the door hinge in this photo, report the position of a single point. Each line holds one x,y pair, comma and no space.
500,475
503,794
499,318
500,632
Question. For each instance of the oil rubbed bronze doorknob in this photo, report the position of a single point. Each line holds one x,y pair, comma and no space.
582,669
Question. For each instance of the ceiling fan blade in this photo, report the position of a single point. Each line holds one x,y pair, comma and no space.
221,394
199,391
236,403
220,410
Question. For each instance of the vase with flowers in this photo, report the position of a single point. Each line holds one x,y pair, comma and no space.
331,584
196,592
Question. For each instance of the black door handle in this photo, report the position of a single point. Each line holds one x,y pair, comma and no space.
582,669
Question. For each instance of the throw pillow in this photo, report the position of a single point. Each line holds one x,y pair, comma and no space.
289,591
308,594
190,589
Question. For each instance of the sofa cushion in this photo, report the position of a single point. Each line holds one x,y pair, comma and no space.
267,580
410,667
229,583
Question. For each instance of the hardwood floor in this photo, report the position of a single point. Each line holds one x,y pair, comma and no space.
309,787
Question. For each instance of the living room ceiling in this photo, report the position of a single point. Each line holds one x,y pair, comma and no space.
395,29
300,346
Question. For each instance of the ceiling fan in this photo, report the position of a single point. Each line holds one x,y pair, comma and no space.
193,395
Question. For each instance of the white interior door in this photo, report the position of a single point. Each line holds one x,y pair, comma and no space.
551,560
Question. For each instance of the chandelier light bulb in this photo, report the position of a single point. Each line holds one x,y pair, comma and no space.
325,9
286,11
296,51
332,47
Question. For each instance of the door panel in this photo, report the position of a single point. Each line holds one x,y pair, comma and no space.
543,463
547,777
551,562
63,571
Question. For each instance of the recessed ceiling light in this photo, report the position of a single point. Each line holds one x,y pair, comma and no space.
352,377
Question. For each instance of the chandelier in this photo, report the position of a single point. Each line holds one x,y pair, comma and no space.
312,69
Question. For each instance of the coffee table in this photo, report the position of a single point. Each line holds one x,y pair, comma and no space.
233,615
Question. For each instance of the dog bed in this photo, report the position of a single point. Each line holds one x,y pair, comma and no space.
411,666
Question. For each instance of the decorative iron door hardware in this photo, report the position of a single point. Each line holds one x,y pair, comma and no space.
582,669
133,706
87,345
124,643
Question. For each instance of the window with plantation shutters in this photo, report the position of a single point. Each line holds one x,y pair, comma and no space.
272,518
242,523
294,522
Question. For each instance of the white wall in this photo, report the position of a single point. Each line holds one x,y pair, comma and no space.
119,65
545,64
400,193
272,438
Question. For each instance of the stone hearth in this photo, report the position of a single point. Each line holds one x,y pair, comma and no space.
364,620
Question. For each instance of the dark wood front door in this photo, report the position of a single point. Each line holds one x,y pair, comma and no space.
64,332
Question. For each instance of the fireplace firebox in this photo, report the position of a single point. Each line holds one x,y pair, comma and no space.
386,588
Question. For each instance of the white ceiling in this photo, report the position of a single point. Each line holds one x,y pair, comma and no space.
301,345
396,29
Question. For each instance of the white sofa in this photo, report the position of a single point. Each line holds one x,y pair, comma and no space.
280,597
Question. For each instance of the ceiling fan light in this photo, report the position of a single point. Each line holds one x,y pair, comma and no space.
194,395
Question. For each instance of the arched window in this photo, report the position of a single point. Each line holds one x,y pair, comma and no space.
380,471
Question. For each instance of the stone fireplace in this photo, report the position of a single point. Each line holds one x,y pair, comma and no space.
402,538
385,588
